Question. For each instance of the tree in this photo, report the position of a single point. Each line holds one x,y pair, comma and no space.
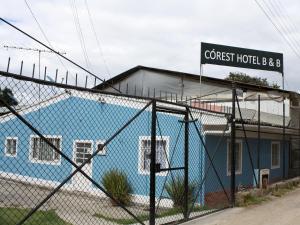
244,78
7,95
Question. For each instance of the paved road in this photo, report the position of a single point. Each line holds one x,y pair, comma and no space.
280,211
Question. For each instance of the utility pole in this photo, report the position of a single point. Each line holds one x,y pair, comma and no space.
34,50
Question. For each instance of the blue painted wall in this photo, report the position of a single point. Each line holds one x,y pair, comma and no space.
78,118
246,178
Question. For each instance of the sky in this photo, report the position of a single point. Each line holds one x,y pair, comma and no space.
163,34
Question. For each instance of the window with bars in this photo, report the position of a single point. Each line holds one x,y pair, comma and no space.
162,151
83,151
238,157
275,155
44,153
11,146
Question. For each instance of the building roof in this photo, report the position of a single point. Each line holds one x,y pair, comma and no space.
196,77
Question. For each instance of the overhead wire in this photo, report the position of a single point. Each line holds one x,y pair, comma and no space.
277,28
276,12
42,31
96,37
80,33
286,16
56,52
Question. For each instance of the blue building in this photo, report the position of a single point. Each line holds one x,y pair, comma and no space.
78,124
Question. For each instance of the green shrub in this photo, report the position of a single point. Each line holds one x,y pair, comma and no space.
175,189
116,183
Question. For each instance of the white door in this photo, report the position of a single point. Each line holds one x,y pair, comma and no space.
82,151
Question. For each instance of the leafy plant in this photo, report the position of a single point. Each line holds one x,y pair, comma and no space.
175,189
117,185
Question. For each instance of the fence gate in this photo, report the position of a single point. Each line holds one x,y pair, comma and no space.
188,183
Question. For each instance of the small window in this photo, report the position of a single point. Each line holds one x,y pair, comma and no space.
238,157
83,151
100,148
42,152
162,151
11,146
275,155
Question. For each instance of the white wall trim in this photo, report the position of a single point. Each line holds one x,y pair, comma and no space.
6,150
35,107
142,138
279,154
74,160
240,142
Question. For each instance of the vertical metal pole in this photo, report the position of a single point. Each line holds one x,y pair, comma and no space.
186,164
153,164
45,72
21,69
8,63
67,73
233,148
258,142
39,64
86,79
283,130
33,69
283,141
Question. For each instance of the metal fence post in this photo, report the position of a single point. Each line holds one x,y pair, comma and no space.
283,139
233,147
258,144
186,164
153,164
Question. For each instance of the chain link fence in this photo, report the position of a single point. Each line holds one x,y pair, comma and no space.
72,155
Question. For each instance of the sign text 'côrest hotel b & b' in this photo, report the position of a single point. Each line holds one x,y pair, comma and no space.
241,57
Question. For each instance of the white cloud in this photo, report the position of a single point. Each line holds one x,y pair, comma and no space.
164,34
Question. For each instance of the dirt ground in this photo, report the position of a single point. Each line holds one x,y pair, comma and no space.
278,211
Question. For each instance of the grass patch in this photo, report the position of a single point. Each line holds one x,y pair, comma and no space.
259,197
250,199
11,216
280,191
145,217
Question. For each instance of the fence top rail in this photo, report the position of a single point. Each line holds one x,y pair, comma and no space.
68,86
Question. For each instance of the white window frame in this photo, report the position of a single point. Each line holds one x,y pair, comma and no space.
6,150
240,142
103,152
82,141
279,152
140,155
32,160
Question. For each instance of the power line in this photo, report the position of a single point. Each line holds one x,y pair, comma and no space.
79,32
96,37
42,31
277,28
281,6
51,49
276,13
